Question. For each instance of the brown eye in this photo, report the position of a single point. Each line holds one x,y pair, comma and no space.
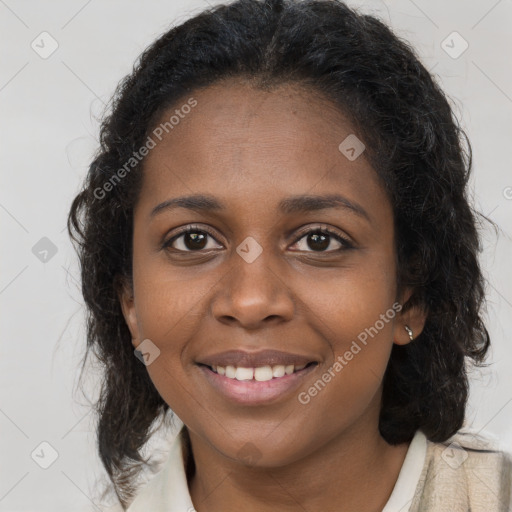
194,241
190,239
320,239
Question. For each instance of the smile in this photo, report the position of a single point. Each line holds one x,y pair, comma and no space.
260,374
256,385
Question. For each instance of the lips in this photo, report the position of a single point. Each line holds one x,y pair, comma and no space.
243,359
256,378
254,392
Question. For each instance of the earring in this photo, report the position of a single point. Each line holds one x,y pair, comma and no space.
409,332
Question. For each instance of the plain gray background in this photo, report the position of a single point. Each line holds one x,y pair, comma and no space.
49,130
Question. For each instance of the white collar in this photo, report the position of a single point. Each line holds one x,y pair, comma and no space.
407,481
168,490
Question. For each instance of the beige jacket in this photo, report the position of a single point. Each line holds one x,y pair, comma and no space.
464,474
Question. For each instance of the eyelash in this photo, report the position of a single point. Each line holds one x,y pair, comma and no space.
318,230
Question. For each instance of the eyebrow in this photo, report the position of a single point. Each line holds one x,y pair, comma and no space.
290,205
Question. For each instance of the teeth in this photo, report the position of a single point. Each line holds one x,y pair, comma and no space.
278,371
244,373
260,374
263,373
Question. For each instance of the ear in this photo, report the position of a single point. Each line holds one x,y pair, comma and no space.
414,317
127,301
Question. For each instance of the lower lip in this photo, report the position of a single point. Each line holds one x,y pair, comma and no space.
252,392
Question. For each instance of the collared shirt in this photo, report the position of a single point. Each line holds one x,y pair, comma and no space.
464,474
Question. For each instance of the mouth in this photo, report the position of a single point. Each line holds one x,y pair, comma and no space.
260,385
258,374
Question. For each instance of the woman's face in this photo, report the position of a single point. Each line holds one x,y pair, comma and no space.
254,274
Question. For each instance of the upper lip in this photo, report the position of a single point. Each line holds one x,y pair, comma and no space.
240,358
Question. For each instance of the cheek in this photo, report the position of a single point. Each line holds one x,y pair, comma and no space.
358,325
166,317
168,301
352,301
355,314
170,308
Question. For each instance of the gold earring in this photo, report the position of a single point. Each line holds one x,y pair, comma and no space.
409,332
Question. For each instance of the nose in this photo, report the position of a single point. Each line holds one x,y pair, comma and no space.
253,295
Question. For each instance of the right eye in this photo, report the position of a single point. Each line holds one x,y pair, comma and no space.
191,239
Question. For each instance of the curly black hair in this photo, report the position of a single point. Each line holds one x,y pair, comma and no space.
414,143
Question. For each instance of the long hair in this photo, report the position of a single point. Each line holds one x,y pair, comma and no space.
414,144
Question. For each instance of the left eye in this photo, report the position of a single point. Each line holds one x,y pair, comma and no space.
193,240
320,239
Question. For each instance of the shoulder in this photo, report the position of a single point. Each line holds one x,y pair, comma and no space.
466,472
470,452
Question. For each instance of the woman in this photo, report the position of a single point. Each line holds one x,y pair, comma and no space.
277,246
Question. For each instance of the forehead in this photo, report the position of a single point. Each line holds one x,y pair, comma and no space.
247,144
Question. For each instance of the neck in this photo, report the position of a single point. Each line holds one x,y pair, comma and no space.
355,470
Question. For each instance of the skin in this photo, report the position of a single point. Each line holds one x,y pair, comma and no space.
251,149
